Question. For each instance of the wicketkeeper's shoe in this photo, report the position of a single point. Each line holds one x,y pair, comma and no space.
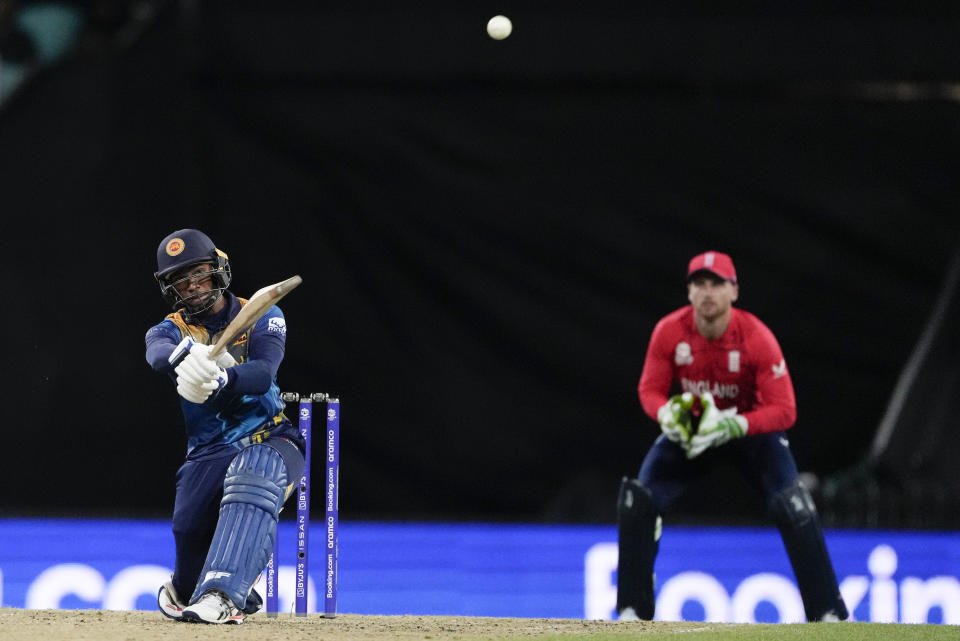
628,614
169,603
213,607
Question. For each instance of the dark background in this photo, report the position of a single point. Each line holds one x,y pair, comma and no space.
487,233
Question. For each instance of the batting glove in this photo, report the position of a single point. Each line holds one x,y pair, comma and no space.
220,363
196,368
716,427
676,418
196,372
181,350
223,359
192,391
188,345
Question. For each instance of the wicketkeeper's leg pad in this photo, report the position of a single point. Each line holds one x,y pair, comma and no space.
638,539
796,516
253,491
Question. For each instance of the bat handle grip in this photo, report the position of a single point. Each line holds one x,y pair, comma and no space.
182,350
178,359
216,350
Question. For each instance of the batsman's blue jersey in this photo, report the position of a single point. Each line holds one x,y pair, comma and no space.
250,400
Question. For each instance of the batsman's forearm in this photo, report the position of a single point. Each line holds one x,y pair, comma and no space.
161,340
157,355
253,377
256,375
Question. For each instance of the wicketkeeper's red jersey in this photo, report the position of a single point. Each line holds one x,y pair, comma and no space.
744,367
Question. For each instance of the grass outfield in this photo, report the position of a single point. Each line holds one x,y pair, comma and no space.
104,625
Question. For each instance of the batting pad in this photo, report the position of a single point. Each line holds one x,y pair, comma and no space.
253,491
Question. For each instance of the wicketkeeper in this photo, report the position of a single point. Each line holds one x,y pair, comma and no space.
243,456
732,400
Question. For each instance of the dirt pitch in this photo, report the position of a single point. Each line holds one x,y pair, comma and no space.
105,625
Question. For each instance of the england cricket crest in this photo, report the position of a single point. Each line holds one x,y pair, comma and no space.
733,360
683,355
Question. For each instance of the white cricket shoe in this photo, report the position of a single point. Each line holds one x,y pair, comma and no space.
213,607
830,617
629,614
169,602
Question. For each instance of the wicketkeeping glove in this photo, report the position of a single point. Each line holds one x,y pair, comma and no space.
676,418
716,427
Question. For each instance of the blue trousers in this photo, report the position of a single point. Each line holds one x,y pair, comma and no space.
764,460
766,463
197,506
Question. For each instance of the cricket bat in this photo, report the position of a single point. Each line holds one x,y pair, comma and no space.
258,304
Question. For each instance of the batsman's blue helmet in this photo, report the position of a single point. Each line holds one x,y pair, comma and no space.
183,248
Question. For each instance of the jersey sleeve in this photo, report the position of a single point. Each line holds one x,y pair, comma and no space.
776,407
267,346
161,340
657,376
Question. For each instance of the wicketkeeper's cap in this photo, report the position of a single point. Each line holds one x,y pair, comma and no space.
716,263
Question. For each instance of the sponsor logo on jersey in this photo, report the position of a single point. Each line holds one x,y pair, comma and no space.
175,246
733,360
780,369
683,355
277,325
719,390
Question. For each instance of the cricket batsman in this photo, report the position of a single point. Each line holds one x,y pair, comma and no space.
243,456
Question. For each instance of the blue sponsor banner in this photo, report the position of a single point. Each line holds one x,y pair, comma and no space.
716,574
